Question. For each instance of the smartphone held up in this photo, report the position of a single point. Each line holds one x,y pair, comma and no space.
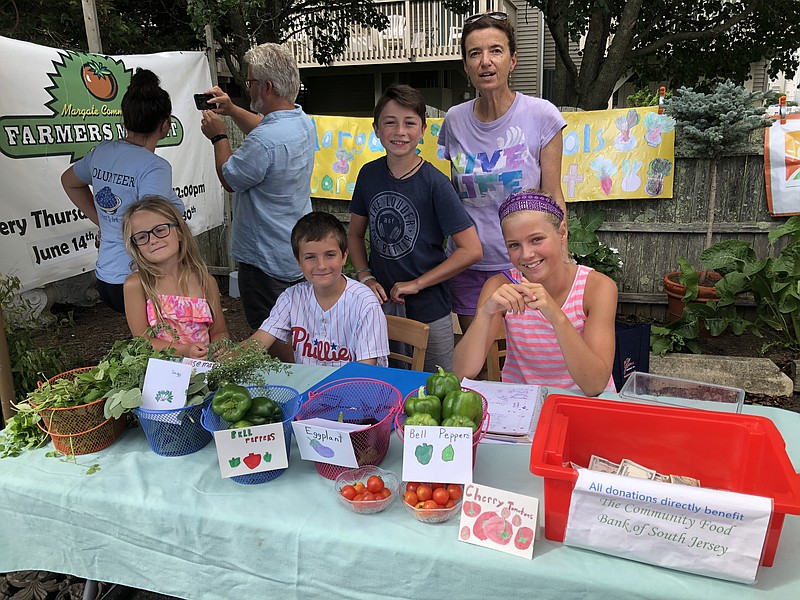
201,101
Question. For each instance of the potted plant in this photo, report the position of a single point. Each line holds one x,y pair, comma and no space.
587,248
709,125
774,283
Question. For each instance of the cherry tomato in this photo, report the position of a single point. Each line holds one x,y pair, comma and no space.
411,498
358,498
360,487
349,492
412,486
454,491
441,496
375,484
424,492
419,505
436,486
386,492
430,504
450,503
367,497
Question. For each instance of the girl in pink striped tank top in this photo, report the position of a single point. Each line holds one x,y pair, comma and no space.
559,317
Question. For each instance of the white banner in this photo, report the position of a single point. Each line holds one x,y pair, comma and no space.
53,110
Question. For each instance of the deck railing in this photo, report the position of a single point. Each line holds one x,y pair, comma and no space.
419,30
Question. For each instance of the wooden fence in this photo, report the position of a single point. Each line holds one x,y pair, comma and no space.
649,233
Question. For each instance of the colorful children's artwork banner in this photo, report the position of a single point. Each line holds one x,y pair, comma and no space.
618,154
782,167
56,105
609,154
345,144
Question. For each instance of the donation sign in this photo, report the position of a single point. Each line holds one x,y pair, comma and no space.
698,530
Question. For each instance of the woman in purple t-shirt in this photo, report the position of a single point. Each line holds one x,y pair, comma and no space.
499,143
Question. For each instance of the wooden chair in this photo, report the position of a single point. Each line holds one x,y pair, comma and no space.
412,333
497,354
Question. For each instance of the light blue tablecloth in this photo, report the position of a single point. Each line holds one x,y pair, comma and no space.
172,525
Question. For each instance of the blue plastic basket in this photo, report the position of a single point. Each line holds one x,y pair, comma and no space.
288,398
175,432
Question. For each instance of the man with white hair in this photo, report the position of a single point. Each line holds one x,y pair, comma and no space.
270,174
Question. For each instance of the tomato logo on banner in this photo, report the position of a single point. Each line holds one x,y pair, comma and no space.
86,110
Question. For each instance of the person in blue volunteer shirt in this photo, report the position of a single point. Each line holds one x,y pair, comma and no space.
270,174
119,173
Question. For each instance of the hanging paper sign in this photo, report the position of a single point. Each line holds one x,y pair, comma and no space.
437,454
698,530
326,441
498,519
251,449
165,384
782,166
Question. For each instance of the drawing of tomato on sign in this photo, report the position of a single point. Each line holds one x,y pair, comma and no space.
493,527
99,80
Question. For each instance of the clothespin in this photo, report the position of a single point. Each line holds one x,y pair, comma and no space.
782,109
662,92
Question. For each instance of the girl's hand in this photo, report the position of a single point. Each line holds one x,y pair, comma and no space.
402,289
198,351
377,289
513,298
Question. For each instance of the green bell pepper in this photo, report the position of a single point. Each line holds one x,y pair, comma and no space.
421,419
460,421
263,411
231,402
463,403
423,403
241,424
439,384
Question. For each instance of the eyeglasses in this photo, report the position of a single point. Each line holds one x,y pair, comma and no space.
497,16
249,82
140,238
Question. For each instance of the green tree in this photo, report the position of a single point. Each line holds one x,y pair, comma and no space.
237,24
126,26
680,41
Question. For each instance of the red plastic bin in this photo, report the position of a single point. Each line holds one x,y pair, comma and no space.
735,452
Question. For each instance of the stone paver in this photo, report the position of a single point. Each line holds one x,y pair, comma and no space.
753,375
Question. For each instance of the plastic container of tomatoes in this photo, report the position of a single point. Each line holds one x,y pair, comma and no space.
362,475
431,515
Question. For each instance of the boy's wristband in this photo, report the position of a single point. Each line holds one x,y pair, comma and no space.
217,138
367,278
360,271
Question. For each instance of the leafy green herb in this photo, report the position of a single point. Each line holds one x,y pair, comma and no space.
21,432
245,364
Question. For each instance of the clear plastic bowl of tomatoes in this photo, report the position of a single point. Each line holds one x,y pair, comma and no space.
366,490
432,502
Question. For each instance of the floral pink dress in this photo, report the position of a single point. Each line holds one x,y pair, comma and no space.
188,318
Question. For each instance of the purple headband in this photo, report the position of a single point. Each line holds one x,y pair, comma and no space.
530,201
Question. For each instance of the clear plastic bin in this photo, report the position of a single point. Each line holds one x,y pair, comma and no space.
673,391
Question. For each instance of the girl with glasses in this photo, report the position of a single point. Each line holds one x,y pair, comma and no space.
498,143
115,173
170,298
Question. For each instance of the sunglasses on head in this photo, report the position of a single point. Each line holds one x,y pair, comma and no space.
497,16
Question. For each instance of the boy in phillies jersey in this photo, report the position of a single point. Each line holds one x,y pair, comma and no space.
328,319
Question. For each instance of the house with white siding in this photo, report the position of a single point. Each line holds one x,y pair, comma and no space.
421,47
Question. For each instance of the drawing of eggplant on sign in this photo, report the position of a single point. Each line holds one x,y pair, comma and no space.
323,451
